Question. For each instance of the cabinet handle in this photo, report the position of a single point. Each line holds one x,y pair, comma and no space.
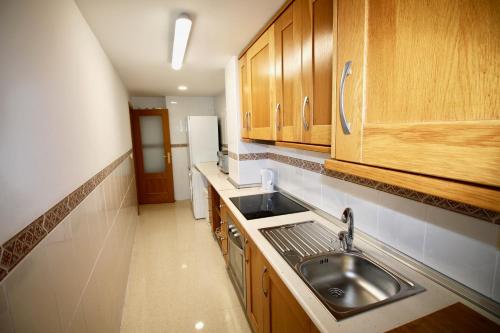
247,259
304,121
248,120
264,291
346,127
278,109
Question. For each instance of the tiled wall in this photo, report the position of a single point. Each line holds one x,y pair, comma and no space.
75,278
463,247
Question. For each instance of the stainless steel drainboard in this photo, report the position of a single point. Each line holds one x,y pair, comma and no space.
346,283
297,241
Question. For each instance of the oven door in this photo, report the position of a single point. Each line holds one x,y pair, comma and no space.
236,255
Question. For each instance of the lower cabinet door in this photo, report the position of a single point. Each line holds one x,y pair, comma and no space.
282,313
255,271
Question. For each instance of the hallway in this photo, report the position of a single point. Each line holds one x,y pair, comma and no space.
177,280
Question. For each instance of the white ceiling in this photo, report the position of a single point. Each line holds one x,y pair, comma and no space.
137,36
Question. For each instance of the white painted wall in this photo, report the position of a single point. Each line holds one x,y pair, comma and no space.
178,112
64,112
220,111
144,102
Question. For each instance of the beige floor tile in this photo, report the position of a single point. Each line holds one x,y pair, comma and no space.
177,279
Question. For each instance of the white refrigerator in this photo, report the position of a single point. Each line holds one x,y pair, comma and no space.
203,135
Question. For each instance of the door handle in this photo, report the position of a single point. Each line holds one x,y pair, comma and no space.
168,158
249,120
346,127
304,121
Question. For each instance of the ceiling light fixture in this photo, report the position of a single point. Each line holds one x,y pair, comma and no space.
173,102
182,88
181,36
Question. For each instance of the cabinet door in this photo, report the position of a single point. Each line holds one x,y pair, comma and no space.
282,313
318,37
260,67
255,272
423,93
224,231
244,97
287,39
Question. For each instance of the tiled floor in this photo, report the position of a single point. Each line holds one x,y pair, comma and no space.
178,281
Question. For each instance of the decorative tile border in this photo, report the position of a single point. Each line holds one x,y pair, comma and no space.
455,206
16,248
179,145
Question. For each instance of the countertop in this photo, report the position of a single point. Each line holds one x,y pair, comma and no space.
379,319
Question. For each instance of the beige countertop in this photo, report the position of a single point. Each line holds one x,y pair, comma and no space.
377,320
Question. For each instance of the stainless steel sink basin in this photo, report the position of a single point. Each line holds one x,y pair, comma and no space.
346,282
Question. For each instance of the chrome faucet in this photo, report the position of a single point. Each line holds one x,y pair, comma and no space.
347,237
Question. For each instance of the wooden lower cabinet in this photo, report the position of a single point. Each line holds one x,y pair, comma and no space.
271,308
254,270
282,313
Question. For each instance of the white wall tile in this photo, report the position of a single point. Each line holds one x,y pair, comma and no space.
78,325
311,188
333,192
496,281
462,248
65,278
249,171
294,181
32,301
364,203
402,224
6,324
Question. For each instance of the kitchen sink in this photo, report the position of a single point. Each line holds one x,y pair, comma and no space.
347,283
351,283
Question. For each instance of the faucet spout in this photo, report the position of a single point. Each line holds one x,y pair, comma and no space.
347,238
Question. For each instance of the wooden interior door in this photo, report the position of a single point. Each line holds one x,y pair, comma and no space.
151,141
260,66
244,97
423,93
287,41
318,37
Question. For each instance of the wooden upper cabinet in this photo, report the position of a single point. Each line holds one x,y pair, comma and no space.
244,97
423,93
287,39
318,40
261,83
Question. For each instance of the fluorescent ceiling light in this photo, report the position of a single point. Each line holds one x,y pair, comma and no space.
182,88
181,36
173,102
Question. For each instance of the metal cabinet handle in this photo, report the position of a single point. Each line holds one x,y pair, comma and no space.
247,259
249,120
264,291
304,121
346,127
278,109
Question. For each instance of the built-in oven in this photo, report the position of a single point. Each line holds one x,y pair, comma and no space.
236,259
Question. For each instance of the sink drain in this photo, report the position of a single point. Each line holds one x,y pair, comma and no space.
336,292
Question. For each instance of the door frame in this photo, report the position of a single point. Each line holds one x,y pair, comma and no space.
142,198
